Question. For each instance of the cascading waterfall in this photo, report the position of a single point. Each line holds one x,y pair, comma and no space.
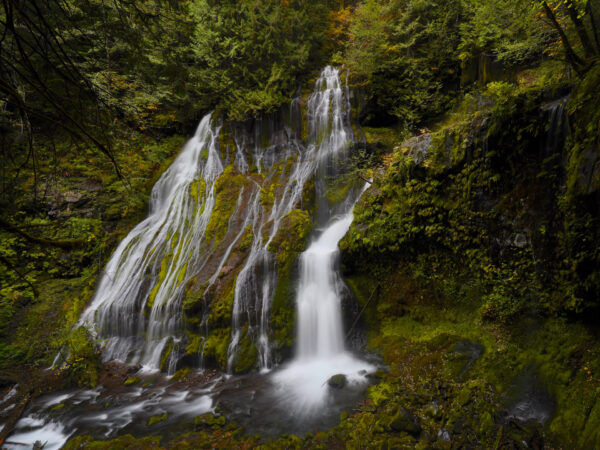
136,307
328,116
321,351
320,333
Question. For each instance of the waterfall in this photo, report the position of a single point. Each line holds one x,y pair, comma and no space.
329,125
318,302
136,306
321,352
137,309
320,333
558,125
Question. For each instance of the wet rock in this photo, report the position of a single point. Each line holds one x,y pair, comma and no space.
338,381
417,147
405,421
470,352
528,400
444,435
225,271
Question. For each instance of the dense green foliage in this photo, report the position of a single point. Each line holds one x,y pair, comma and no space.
405,54
252,55
410,57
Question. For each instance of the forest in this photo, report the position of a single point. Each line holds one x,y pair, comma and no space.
286,224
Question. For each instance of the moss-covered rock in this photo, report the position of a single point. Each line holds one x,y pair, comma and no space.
127,442
338,381
287,244
227,192
216,345
156,419
246,355
83,362
209,421
131,381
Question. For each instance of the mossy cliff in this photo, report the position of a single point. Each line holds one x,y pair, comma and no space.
45,289
461,252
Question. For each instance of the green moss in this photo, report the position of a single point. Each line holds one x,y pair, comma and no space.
165,356
193,346
83,362
164,268
247,239
193,301
267,195
245,358
227,190
291,237
127,442
131,381
210,421
181,374
288,243
156,419
181,274
221,307
217,343
389,138
197,191
283,311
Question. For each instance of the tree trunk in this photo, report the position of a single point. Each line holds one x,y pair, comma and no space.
590,12
580,29
576,62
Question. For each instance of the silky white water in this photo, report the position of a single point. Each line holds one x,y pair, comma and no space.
137,307
329,125
320,333
321,351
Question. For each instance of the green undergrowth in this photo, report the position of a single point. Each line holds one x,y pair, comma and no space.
474,243
417,333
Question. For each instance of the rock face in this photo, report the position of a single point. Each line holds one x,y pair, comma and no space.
338,381
417,147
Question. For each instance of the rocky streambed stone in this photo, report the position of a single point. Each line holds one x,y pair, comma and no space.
338,381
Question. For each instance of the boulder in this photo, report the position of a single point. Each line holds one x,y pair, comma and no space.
338,381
